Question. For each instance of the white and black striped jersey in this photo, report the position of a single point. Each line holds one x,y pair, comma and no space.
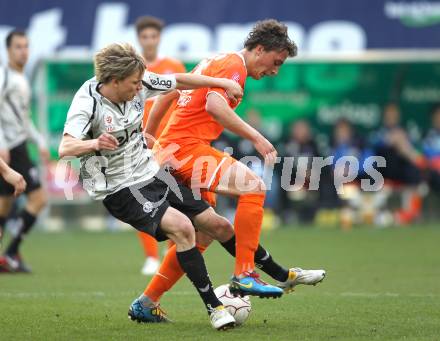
16,125
92,114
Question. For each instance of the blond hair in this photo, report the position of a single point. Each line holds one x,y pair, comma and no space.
117,61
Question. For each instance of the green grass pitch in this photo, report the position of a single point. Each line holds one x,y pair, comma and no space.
381,285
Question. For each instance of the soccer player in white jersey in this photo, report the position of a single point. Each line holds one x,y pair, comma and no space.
103,128
16,129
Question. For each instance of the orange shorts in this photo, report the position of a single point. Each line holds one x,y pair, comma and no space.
198,166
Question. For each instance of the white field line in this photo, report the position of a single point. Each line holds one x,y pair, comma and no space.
101,294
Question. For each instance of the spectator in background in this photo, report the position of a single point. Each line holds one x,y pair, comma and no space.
402,160
431,151
299,201
356,207
347,143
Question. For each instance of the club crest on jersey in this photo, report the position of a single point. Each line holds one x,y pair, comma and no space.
137,105
236,77
108,119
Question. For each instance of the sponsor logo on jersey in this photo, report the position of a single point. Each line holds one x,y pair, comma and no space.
128,134
155,81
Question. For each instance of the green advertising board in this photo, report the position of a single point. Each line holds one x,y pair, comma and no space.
320,91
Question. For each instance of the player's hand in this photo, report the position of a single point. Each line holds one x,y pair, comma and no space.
15,179
149,140
265,148
106,142
233,90
5,155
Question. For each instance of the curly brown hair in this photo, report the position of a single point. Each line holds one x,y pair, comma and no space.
272,35
149,22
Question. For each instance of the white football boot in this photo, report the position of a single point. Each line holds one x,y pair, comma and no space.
300,276
221,319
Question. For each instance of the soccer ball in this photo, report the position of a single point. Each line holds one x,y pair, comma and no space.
239,307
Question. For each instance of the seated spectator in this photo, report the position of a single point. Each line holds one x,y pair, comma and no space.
347,143
301,201
402,159
357,206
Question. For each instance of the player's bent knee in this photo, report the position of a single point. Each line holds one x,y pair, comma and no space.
261,187
203,240
185,232
258,187
37,201
224,230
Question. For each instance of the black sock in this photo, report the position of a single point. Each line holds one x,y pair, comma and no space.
194,266
26,221
263,260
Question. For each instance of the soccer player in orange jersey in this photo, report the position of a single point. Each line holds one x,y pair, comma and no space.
148,31
199,118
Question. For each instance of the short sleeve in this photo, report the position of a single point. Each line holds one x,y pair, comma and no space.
235,71
80,115
155,84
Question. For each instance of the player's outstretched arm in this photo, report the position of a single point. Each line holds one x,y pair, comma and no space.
220,110
12,177
71,146
157,111
187,81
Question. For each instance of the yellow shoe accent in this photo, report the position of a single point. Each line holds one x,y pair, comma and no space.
292,275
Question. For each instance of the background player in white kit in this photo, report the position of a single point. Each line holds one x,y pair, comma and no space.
103,127
16,129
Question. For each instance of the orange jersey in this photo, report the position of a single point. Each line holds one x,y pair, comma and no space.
190,122
163,66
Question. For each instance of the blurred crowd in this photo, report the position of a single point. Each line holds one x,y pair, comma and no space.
412,171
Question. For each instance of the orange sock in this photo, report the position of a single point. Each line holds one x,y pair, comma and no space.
415,204
248,219
149,244
169,273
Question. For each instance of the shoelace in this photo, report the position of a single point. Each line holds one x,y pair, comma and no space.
213,310
158,311
257,278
